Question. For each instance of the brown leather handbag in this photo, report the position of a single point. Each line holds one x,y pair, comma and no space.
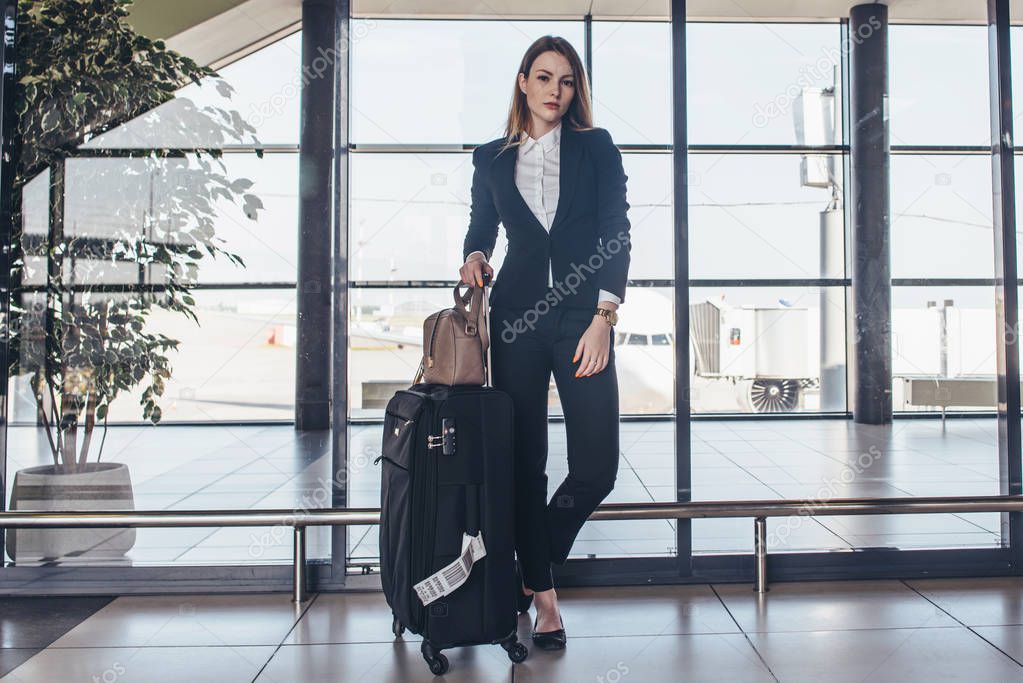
456,341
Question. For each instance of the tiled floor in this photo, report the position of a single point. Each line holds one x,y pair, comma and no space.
890,630
195,467
27,625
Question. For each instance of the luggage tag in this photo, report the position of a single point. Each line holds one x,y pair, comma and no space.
449,578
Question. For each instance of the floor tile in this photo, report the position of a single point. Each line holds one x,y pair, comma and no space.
988,601
35,622
642,610
143,665
980,539
1008,639
693,658
830,605
884,655
187,620
195,467
393,662
346,618
11,658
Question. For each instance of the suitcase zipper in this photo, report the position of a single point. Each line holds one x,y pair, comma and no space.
426,530
420,523
397,432
384,457
417,560
430,533
415,524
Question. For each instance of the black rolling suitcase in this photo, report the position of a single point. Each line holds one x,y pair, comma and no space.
446,516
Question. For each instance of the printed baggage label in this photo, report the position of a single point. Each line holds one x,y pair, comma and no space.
449,578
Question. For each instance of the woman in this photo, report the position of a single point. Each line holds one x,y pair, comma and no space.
557,185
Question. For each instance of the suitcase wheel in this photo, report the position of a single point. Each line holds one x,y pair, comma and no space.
517,652
435,658
397,628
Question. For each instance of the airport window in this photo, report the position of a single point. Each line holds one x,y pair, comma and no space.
265,89
231,370
735,100
759,216
767,247
629,77
756,213
941,216
454,97
927,65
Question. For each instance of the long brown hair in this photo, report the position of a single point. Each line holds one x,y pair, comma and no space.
580,111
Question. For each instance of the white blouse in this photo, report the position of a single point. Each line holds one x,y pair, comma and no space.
536,176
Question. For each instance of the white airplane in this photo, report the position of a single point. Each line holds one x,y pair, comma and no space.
722,377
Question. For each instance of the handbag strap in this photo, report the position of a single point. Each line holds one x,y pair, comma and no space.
474,317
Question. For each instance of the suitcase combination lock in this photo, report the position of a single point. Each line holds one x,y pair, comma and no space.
446,439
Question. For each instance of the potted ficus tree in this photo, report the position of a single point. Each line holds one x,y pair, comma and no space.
83,292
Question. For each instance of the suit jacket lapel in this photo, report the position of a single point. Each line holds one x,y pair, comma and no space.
503,173
568,173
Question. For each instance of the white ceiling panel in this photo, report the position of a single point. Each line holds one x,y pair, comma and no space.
251,24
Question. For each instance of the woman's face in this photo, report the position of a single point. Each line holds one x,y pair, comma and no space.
550,86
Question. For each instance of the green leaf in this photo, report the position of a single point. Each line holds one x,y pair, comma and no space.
72,90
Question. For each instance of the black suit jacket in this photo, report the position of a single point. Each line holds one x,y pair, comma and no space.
589,242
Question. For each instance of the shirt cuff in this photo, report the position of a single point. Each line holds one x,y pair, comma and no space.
475,252
605,295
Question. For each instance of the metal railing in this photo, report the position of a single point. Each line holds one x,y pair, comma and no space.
759,510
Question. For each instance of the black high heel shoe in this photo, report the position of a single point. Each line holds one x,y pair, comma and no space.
550,640
524,601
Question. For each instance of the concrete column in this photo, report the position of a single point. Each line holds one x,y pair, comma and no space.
312,357
870,212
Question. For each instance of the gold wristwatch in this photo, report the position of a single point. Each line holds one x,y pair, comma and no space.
607,314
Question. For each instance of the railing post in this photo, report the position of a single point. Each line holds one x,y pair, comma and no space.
760,554
299,568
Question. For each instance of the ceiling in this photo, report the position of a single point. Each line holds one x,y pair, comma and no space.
904,11
217,32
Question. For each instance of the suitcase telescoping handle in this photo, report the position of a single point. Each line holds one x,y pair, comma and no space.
487,376
472,491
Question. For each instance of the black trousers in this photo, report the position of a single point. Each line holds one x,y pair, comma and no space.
526,347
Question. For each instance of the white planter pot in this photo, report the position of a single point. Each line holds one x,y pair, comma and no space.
96,486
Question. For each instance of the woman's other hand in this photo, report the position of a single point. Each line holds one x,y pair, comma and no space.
594,348
472,270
